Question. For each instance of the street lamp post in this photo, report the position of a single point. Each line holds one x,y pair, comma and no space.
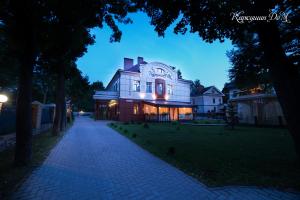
3,99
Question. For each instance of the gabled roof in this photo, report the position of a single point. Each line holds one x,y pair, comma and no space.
136,68
204,90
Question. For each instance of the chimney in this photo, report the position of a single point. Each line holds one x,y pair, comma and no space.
128,63
140,60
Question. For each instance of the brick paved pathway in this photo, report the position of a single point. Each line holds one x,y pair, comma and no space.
92,161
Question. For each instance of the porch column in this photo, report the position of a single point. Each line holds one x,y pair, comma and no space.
169,114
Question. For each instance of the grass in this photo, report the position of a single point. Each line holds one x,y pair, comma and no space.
11,176
207,121
218,156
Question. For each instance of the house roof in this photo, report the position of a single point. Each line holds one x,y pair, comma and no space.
136,68
169,103
253,97
204,90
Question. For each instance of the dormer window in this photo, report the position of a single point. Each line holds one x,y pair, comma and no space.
160,71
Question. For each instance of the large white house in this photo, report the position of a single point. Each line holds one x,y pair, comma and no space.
145,91
209,99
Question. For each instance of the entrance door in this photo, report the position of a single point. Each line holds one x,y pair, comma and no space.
160,88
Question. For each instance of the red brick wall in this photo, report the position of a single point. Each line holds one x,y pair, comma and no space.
126,110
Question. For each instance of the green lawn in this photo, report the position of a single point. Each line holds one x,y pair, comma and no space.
11,176
219,156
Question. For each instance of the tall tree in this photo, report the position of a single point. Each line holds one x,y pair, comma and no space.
28,23
79,91
22,22
97,86
8,62
196,87
217,20
70,36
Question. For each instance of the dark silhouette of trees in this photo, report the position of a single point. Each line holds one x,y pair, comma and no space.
97,86
31,28
213,20
196,87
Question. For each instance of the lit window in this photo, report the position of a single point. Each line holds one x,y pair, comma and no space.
160,70
159,89
136,86
149,87
169,89
136,109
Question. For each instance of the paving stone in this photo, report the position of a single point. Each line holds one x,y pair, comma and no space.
93,161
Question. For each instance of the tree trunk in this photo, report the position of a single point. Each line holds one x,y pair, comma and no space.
59,100
24,35
63,114
45,96
24,113
285,78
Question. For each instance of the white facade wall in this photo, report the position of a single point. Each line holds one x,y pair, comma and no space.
208,101
148,73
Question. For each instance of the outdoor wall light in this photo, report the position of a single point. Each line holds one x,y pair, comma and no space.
3,99
142,95
154,96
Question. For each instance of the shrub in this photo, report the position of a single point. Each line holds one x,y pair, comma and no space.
125,123
132,122
120,127
134,135
174,123
178,128
171,151
146,125
125,131
139,123
112,124
148,142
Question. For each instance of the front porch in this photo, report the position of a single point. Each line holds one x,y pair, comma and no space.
167,111
136,110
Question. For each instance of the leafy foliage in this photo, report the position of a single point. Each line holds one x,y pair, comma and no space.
196,87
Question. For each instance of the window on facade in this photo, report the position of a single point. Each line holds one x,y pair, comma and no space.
160,70
214,100
220,101
136,86
149,87
169,89
135,109
116,87
159,89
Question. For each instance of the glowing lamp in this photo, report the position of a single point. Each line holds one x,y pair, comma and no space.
153,96
142,95
3,98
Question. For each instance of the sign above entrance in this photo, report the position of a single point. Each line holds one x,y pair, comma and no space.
159,72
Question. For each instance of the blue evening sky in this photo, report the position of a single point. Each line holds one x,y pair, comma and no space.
195,58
